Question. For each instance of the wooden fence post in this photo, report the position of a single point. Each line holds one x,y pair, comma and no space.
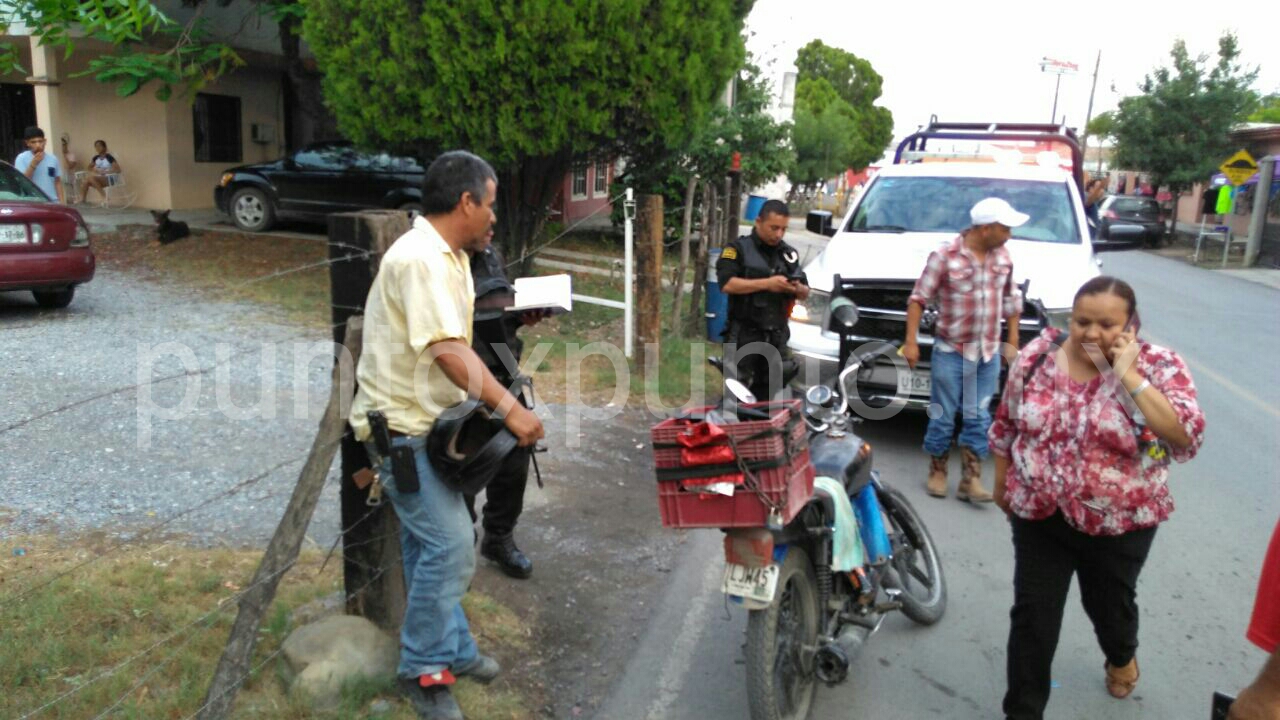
648,277
233,667
371,540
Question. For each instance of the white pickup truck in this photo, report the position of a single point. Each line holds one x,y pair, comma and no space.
922,201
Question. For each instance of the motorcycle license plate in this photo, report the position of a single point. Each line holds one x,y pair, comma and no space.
750,583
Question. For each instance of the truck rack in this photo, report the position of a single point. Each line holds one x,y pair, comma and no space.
936,130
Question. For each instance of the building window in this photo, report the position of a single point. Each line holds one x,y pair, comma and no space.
579,182
216,124
602,178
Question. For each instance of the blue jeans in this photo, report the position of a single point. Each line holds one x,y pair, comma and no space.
960,385
438,550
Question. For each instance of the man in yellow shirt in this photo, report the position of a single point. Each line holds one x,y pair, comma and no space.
416,363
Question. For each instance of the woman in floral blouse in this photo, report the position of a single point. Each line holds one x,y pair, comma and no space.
1082,443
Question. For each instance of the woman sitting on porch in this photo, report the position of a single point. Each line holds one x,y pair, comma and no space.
102,167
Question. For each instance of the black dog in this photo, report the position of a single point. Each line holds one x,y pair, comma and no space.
169,230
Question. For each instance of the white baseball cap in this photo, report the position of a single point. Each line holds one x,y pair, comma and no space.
995,210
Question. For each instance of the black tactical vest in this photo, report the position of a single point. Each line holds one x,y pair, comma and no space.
765,310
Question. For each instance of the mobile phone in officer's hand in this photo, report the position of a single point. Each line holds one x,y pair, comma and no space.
1221,706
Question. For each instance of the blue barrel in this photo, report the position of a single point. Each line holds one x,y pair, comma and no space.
754,203
717,301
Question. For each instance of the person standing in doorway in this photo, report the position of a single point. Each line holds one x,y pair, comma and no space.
40,167
970,280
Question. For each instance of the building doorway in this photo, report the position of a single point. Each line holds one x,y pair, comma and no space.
17,113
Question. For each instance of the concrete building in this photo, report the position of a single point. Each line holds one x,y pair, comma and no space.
172,153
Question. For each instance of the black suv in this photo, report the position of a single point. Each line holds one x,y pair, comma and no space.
1129,220
319,179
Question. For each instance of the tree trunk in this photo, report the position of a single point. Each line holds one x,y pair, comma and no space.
304,85
677,306
700,262
525,193
648,279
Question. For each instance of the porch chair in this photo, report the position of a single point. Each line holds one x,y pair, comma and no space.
1213,232
116,195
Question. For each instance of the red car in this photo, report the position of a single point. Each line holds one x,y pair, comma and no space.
44,247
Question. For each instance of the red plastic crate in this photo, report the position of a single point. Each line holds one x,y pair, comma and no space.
761,448
792,485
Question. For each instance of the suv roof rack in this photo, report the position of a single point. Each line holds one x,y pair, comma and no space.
996,131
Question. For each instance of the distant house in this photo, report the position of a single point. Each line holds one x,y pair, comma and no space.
585,193
173,153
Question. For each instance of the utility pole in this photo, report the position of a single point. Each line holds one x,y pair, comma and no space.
1084,143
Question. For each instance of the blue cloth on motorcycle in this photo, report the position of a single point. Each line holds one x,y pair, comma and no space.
846,544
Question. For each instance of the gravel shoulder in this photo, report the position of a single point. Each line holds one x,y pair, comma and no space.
212,445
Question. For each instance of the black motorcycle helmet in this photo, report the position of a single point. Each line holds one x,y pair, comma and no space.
467,445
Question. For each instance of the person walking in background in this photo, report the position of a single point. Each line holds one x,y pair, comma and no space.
971,281
1083,439
41,167
1261,700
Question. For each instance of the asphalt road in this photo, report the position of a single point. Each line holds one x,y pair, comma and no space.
1195,593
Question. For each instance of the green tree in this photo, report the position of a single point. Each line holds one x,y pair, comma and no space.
1268,110
832,82
1102,126
529,85
1178,128
823,141
150,46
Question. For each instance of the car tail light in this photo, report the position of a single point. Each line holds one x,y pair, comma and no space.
1110,215
37,233
82,237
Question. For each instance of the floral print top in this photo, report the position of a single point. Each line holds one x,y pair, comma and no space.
1076,447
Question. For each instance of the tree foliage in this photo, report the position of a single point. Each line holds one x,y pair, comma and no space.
1102,126
837,123
1178,128
150,47
529,85
1268,110
763,144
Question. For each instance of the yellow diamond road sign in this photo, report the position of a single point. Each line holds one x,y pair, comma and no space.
1239,167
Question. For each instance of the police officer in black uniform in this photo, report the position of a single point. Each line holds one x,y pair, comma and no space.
495,341
761,275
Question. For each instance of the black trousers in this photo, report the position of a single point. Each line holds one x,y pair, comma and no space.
1046,554
754,369
504,496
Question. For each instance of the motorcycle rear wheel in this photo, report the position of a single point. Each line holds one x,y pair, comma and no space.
781,641
915,569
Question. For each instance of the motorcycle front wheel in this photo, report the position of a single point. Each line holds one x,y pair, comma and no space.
915,569
781,642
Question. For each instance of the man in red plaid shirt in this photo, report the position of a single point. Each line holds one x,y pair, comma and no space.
970,281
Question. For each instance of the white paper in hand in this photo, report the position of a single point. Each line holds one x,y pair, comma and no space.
553,293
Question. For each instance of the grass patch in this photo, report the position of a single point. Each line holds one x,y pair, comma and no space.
286,272
172,606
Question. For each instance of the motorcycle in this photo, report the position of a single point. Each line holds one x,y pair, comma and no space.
807,621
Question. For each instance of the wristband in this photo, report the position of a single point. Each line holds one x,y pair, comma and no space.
1134,393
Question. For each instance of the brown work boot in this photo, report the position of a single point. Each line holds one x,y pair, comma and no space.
937,483
1122,680
970,488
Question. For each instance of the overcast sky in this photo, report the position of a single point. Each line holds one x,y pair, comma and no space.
978,61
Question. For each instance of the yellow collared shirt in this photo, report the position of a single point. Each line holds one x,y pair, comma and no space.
423,294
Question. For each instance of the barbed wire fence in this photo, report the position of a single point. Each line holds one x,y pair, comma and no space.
147,663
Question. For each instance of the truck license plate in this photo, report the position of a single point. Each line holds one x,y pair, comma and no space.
913,383
751,583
